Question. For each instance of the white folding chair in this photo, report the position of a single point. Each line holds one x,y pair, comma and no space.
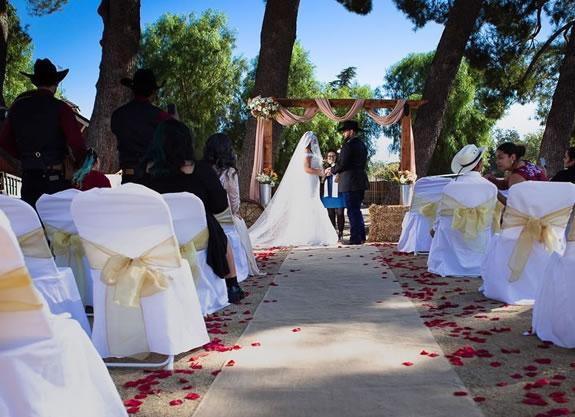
189,218
536,200
49,366
131,226
54,211
240,257
57,285
554,309
415,227
451,252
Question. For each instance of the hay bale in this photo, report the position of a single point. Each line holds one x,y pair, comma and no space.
250,211
385,222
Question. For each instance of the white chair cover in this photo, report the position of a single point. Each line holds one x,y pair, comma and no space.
415,227
536,199
54,211
189,218
240,257
131,219
554,311
450,254
48,366
115,180
57,285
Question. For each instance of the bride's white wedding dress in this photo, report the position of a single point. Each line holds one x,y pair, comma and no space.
295,215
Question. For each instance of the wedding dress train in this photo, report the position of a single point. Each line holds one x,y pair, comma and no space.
295,215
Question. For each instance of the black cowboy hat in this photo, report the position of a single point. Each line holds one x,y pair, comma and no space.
45,73
144,79
349,125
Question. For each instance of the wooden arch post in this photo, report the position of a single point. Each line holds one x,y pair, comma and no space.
407,145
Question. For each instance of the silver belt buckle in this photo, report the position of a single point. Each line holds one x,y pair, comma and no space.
53,178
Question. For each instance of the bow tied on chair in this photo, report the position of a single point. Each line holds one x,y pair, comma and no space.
17,292
469,220
128,280
33,244
534,229
429,210
189,252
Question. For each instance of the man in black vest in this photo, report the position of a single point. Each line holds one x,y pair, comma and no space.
134,123
39,130
352,178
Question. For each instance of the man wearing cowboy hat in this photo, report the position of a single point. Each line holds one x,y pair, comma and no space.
468,163
352,178
134,123
39,131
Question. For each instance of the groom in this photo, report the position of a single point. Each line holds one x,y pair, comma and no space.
352,177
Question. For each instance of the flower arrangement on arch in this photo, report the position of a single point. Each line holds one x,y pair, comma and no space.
263,107
267,176
405,177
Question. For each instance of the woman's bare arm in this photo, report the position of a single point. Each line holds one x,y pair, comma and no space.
308,169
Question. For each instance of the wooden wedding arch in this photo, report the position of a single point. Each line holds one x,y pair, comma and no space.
407,160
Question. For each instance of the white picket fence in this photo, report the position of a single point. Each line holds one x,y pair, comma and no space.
10,185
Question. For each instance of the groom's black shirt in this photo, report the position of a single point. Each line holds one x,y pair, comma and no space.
351,165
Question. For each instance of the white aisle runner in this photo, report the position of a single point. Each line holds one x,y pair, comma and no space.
334,344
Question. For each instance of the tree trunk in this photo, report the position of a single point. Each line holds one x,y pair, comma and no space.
120,43
444,67
277,38
3,48
561,118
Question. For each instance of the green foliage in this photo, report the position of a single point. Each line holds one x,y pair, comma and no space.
382,171
464,121
357,6
18,58
344,78
44,7
193,56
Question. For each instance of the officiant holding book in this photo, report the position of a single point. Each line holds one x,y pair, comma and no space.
331,197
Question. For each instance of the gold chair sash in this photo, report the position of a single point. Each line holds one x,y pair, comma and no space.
533,229
129,279
571,236
189,252
468,220
34,245
225,217
17,292
429,210
497,213
69,246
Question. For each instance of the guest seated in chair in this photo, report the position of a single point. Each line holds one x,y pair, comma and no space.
568,174
509,159
170,166
89,175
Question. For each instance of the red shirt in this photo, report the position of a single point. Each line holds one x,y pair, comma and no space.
94,179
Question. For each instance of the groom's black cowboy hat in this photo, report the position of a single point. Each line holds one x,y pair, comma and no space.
45,73
144,80
349,125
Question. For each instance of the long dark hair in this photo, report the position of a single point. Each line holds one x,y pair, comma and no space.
219,152
172,145
84,170
509,148
571,152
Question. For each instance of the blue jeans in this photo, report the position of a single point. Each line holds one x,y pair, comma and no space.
353,200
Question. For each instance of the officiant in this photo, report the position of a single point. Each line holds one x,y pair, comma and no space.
353,179
331,197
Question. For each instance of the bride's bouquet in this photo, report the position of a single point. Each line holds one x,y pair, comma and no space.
405,177
263,107
267,176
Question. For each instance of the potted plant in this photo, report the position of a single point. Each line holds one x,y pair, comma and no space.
406,179
267,179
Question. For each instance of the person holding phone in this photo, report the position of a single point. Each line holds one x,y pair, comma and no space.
134,123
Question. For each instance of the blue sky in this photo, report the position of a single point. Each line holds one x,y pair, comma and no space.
335,38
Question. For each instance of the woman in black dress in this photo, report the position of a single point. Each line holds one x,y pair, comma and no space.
568,174
171,167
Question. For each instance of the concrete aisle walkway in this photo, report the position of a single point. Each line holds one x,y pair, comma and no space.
347,358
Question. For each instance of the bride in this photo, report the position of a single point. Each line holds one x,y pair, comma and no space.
295,215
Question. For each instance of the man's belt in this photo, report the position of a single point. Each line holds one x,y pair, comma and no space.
129,171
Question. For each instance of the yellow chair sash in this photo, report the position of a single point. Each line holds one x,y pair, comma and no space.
429,210
69,246
571,236
225,217
533,229
129,279
34,245
17,292
468,220
497,213
189,252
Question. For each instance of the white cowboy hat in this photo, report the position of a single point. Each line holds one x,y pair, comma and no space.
466,159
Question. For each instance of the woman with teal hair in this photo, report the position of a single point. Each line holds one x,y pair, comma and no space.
89,175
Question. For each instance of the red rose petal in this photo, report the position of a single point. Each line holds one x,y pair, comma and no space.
543,361
231,363
502,384
133,410
495,364
132,403
479,399
297,329
192,396
216,372
256,344
176,402
407,363
460,393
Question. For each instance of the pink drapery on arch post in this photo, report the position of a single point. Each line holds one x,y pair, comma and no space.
287,118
